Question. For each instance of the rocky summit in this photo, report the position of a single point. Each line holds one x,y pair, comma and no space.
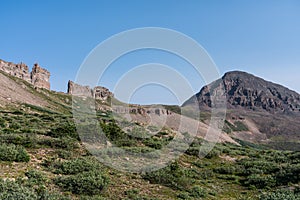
246,91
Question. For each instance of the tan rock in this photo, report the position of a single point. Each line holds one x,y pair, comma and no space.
40,77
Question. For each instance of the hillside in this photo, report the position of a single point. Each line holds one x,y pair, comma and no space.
42,156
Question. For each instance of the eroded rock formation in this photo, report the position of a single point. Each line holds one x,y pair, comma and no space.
18,70
79,90
100,93
39,77
141,110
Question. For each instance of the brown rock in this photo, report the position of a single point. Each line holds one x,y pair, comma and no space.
79,90
102,93
17,70
40,77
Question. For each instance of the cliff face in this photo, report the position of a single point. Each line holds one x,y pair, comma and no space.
79,90
141,110
39,77
17,70
100,93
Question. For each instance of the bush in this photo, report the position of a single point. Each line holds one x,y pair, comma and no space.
279,195
96,197
11,190
198,192
15,190
11,152
75,166
2,122
64,130
260,181
35,177
24,140
225,170
66,143
172,176
88,183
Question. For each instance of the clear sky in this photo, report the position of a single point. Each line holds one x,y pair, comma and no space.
260,37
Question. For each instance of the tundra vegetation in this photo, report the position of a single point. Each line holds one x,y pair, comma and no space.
42,157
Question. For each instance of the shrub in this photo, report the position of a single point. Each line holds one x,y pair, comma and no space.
184,195
15,126
75,166
24,140
2,122
95,197
11,152
225,170
64,130
197,192
35,177
66,143
13,190
64,154
260,181
88,183
172,176
279,195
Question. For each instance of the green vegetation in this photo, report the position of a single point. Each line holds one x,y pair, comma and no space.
32,189
74,166
11,152
235,126
88,183
41,154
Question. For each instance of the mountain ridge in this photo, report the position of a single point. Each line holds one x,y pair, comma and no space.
248,91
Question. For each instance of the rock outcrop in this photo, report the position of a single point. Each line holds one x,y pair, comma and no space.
18,70
39,77
100,93
79,90
141,110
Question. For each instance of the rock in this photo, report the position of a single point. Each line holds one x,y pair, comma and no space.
17,70
79,90
40,77
102,93
248,91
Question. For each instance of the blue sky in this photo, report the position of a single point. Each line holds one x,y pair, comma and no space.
260,37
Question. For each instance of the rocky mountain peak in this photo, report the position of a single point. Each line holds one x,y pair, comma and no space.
244,90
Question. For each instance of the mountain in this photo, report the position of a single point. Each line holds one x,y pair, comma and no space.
247,91
270,112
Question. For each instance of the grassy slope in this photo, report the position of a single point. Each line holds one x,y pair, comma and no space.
217,175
